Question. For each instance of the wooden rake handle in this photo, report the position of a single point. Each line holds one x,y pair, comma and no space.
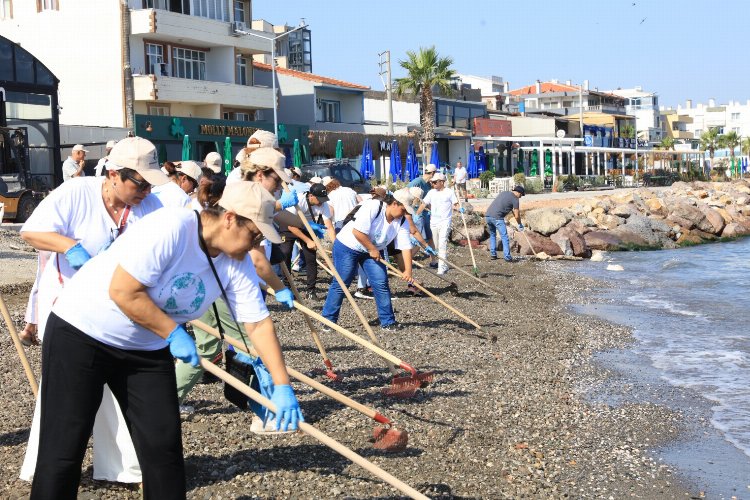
19,347
315,433
466,229
479,280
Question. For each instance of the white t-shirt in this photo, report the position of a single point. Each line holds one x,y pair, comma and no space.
162,252
317,210
76,210
70,167
171,195
376,227
460,175
441,204
343,200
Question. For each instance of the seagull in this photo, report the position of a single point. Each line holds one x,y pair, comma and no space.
643,20
633,4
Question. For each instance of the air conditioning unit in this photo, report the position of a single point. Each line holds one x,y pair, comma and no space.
238,27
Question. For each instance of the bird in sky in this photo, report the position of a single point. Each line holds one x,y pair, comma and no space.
643,20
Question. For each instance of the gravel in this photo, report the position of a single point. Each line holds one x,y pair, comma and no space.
503,419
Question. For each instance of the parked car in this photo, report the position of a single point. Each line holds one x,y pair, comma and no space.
343,171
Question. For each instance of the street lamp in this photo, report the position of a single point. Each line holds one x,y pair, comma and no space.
273,39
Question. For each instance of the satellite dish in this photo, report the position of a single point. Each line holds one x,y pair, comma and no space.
560,134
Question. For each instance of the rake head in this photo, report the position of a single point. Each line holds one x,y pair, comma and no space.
389,439
402,391
417,379
453,289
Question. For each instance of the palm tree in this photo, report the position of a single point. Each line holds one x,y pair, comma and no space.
627,131
730,140
710,142
667,144
426,70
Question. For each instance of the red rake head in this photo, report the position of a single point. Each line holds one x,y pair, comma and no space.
419,379
330,373
390,439
401,391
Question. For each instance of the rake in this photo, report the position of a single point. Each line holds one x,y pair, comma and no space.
468,241
452,286
19,347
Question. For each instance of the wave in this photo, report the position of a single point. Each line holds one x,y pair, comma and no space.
662,304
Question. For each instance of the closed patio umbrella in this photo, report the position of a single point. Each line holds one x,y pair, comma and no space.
339,149
297,154
366,166
395,171
482,161
471,164
186,148
227,155
412,163
435,158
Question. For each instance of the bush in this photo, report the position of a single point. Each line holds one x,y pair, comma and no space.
533,186
485,178
519,179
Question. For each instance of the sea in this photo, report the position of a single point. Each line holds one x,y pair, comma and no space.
690,313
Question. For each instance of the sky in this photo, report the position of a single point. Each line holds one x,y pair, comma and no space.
689,49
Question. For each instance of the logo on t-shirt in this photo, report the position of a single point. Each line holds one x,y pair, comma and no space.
183,294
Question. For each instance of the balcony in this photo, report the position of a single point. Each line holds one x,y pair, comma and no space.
183,90
173,27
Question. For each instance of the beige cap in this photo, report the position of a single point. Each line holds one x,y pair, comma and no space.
296,170
269,157
405,197
316,180
79,147
263,139
242,154
438,177
139,154
214,162
191,169
110,144
430,168
416,192
326,180
252,201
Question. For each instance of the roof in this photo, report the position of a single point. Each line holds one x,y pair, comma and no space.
552,87
310,77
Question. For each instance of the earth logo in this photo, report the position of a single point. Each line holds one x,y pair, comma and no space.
183,294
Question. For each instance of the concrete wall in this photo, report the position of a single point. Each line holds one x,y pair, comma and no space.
220,64
350,105
376,115
529,126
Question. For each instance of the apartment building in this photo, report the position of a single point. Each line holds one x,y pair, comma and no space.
731,116
645,107
292,50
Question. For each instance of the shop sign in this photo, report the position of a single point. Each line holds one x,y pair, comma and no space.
227,130
493,128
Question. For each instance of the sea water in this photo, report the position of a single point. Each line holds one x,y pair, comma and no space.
690,311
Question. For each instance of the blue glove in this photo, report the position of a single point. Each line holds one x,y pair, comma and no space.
462,210
286,297
318,229
416,217
287,407
182,346
430,251
520,227
288,198
77,256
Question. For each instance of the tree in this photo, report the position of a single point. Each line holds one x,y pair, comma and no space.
627,131
710,142
730,140
426,70
746,146
666,144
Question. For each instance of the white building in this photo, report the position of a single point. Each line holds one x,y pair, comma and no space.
292,51
645,107
732,116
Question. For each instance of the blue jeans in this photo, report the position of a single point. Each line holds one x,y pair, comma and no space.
495,225
346,261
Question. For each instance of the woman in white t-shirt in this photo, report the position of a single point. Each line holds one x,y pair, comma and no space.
441,201
361,242
342,199
119,322
78,220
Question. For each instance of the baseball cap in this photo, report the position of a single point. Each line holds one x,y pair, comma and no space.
252,201
79,147
213,161
296,170
438,177
519,189
430,168
191,169
319,191
416,192
316,180
269,157
241,155
405,197
139,154
110,144
263,139
327,180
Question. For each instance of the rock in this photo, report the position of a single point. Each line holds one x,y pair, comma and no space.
725,215
686,211
609,221
615,267
539,242
656,207
602,240
713,222
597,211
597,256
629,237
680,221
563,242
568,238
625,211
734,230
582,225
689,238
546,221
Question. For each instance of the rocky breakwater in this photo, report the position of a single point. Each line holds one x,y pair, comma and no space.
684,214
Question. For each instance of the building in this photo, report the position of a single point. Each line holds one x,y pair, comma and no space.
645,107
493,91
732,116
675,125
293,51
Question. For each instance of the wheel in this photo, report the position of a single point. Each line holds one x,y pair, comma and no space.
26,206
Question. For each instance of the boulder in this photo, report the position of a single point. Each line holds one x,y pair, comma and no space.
602,240
597,256
607,221
628,237
734,230
725,215
682,222
546,221
656,207
582,225
688,238
625,210
539,242
713,222
567,238
686,211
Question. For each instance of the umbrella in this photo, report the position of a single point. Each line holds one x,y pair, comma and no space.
228,155
435,159
305,154
287,157
162,153
297,153
412,163
471,164
366,167
186,148
482,161
396,171
339,149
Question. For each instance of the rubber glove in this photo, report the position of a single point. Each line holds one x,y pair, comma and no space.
182,346
430,251
241,357
520,227
286,297
287,407
462,210
416,217
77,256
318,229
288,198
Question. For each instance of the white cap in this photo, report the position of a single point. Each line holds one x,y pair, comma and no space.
416,192
252,201
438,177
327,180
430,168
263,139
191,169
244,153
79,147
296,170
405,197
110,144
139,154
269,157
316,180
214,162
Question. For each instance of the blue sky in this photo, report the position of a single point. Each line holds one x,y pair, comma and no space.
689,49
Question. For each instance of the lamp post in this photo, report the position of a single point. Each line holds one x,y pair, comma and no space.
273,39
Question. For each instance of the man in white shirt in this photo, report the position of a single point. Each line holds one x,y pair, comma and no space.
460,176
103,161
73,166
441,201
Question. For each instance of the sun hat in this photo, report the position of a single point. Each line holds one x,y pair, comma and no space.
438,177
213,161
416,192
252,201
316,180
110,144
191,169
241,155
430,168
140,155
269,157
519,189
79,147
327,180
319,191
297,171
263,139
405,197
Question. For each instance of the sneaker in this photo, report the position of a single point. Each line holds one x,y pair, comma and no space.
187,410
363,293
295,268
493,257
434,265
509,259
393,327
257,427
311,295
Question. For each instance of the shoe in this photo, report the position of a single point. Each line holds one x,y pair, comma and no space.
493,257
393,327
363,293
311,295
509,259
295,268
434,265
325,328
187,410
257,427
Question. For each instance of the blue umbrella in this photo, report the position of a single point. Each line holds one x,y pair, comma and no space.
396,171
471,167
482,162
435,159
366,166
412,163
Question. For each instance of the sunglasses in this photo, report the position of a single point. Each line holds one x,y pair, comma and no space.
141,185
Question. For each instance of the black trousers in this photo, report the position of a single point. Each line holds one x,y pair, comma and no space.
311,266
75,368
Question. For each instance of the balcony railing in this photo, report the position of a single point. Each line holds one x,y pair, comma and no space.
184,90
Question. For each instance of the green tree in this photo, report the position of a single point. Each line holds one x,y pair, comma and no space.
746,146
710,142
667,144
627,131
426,70
730,140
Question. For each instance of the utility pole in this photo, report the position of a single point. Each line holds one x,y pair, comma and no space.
385,61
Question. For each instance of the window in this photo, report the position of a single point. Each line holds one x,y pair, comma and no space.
735,116
155,64
331,111
298,47
698,133
461,117
444,115
46,5
239,11
242,117
188,63
211,9
240,75
158,110
6,9
736,130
